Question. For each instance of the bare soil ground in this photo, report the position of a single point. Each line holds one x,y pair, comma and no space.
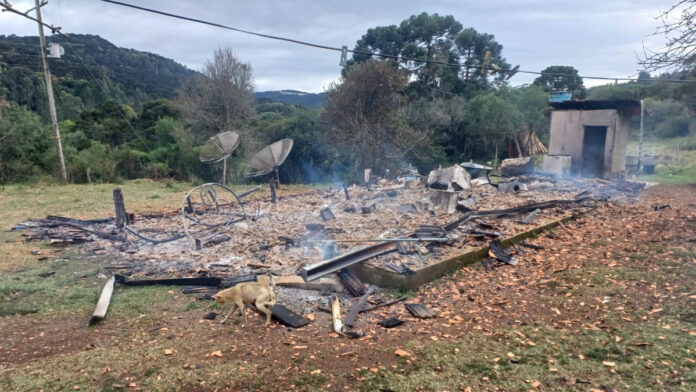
608,304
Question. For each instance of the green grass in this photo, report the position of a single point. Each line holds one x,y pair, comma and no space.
75,286
672,175
554,358
670,171
651,353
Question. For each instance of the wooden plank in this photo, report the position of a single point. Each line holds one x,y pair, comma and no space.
420,310
103,302
285,279
352,315
287,317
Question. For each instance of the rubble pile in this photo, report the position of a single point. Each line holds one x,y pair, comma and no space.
304,229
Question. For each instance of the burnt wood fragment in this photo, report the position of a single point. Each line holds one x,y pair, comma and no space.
408,208
326,214
354,285
499,253
391,322
369,209
352,315
287,317
217,240
531,217
420,311
209,316
401,248
531,246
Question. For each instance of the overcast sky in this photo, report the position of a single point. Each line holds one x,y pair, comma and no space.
599,38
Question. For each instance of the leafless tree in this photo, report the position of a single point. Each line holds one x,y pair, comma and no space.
365,117
220,98
679,29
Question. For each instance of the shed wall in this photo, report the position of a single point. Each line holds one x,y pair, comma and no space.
568,133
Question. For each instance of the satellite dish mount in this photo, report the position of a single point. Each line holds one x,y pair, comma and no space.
269,159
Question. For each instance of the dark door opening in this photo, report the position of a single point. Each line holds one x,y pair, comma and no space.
593,151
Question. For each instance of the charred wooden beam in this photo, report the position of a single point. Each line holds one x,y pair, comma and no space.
120,207
352,283
199,281
272,185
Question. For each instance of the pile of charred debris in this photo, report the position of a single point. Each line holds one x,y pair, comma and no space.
400,223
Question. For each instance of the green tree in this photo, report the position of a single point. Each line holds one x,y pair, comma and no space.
24,141
472,47
495,119
561,78
365,121
438,38
532,103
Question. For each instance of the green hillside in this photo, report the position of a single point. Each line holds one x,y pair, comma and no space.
91,71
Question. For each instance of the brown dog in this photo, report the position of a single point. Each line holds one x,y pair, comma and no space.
258,293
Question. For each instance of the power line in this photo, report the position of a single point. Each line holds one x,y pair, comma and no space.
384,55
8,7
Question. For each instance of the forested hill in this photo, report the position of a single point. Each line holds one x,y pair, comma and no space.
293,97
91,71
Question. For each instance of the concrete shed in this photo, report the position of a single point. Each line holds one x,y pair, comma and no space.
594,134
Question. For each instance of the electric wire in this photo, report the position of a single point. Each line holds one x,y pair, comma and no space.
362,52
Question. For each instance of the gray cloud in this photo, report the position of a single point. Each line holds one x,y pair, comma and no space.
599,38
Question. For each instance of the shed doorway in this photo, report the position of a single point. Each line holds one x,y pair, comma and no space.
593,151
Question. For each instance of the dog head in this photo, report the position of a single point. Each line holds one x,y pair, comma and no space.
218,298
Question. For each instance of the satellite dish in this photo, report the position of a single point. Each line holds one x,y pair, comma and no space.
269,158
219,148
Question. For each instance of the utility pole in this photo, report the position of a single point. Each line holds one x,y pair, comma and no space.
51,101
